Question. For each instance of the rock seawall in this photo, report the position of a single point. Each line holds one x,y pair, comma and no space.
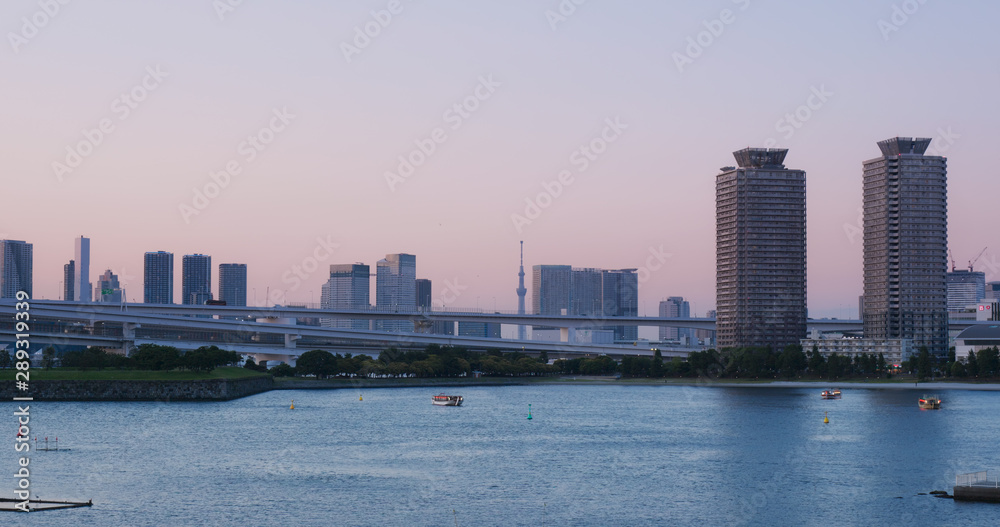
200,390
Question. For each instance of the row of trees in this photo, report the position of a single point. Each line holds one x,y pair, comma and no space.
151,357
433,361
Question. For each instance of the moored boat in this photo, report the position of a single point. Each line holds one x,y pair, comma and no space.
447,400
930,402
830,394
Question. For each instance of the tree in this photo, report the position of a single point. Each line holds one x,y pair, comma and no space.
817,364
792,360
989,362
972,365
156,357
316,362
957,369
48,357
282,370
543,357
924,363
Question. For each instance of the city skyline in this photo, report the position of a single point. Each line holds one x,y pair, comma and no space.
339,126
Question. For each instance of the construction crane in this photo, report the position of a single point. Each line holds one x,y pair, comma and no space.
952,258
976,259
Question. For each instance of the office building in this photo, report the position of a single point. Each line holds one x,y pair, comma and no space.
992,291
347,288
233,284
479,329
906,245
965,288
158,278
69,270
620,298
15,268
706,337
81,271
676,306
108,288
196,279
552,290
760,251
396,289
597,293
424,303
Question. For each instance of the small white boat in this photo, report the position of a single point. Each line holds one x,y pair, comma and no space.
447,400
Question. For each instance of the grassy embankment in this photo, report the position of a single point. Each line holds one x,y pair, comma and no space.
66,374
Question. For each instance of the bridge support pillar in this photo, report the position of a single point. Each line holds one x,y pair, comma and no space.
128,337
563,334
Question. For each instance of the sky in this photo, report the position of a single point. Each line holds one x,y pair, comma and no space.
591,130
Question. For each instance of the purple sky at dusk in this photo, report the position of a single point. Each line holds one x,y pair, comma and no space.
543,93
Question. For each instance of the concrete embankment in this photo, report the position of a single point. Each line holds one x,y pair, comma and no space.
131,390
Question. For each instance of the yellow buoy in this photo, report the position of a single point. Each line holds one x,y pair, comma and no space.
360,398
293,405
826,419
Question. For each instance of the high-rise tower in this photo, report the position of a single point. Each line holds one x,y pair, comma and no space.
906,245
158,278
760,247
81,274
15,268
522,332
396,289
196,279
348,288
233,284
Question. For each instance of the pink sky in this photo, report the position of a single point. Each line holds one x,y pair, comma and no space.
552,90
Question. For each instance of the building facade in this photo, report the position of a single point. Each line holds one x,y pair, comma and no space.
158,278
233,284
551,289
479,329
81,271
760,251
620,298
347,288
965,288
676,306
196,279
895,351
396,289
69,271
597,293
906,245
16,263
108,289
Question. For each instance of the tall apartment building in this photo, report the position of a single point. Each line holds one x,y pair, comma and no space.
676,306
15,268
69,270
760,251
81,271
552,289
233,284
347,288
196,279
620,298
158,278
906,245
108,289
396,289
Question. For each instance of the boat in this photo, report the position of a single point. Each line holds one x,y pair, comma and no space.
830,394
930,402
447,400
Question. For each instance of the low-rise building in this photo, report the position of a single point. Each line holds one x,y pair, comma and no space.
976,338
895,351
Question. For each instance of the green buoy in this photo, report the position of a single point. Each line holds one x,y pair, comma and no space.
529,411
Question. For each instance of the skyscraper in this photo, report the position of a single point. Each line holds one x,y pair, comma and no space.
158,278
676,306
760,251
233,284
965,288
69,270
15,268
108,288
81,275
552,290
620,298
347,288
396,289
196,279
906,245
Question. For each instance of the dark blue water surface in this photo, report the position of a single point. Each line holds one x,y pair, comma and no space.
592,455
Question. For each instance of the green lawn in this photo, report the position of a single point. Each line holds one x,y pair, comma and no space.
63,374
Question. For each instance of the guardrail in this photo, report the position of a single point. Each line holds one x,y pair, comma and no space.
976,479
